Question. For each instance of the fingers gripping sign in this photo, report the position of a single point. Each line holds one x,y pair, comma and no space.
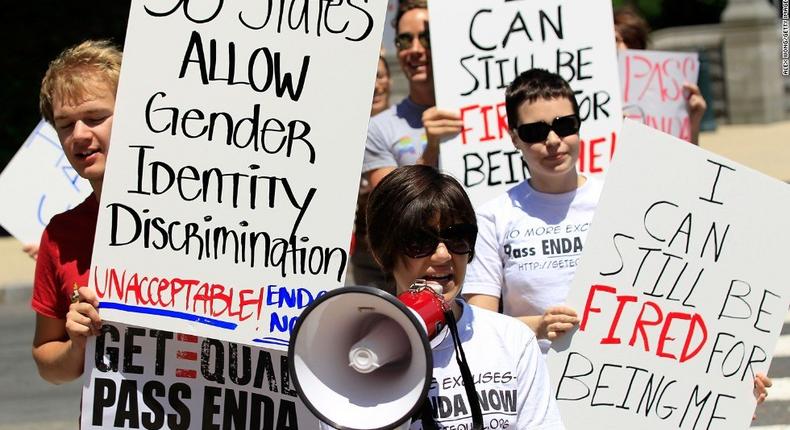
556,321
83,318
440,125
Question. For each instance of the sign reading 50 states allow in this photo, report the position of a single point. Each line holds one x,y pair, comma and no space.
237,142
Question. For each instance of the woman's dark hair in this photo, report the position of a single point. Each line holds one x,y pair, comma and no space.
632,27
405,202
535,84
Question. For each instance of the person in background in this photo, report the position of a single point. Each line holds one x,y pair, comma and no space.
78,99
364,269
397,136
631,32
543,117
544,122
381,91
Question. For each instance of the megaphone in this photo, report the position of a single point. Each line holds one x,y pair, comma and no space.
361,359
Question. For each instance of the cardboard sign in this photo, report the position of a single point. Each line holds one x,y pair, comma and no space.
681,291
651,83
479,47
231,183
38,183
146,378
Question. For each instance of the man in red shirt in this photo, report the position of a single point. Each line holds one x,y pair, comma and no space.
78,99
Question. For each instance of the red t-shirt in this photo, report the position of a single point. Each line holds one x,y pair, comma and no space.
64,258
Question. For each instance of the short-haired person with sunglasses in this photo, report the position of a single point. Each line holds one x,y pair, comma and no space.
422,226
518,262
530,239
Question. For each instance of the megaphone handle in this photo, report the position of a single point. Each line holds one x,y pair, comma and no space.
466,374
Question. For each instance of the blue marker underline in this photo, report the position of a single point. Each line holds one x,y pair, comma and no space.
169,314
272,341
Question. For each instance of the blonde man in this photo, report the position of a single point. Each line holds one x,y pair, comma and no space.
78,99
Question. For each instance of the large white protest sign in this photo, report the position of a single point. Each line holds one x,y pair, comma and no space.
479,47
651,83
147,378
38,183
231,182
681,291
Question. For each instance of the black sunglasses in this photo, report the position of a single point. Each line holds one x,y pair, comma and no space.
536,132
458,238
405,40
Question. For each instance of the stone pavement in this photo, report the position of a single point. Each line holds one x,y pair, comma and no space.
763,147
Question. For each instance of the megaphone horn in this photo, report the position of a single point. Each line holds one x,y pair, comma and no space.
361,359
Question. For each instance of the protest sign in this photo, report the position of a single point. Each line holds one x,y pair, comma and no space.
230,189
651,83
479,47
681,291
38,183
147,378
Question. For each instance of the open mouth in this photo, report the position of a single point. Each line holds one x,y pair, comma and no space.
86,153
441,279
418,65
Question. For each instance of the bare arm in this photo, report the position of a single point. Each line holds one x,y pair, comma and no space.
59,346
483,301
553,323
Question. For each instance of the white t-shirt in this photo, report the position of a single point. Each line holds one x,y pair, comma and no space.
509,372
396,137
528,247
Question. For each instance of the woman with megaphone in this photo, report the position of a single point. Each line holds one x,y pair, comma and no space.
484,369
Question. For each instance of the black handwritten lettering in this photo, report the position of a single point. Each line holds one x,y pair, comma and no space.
185,6
710,199
260,135
260,75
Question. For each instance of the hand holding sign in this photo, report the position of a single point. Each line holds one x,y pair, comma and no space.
440,125
83,319
659,89
556,321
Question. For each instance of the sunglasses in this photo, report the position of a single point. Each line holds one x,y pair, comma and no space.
458,238
536,132
405,40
